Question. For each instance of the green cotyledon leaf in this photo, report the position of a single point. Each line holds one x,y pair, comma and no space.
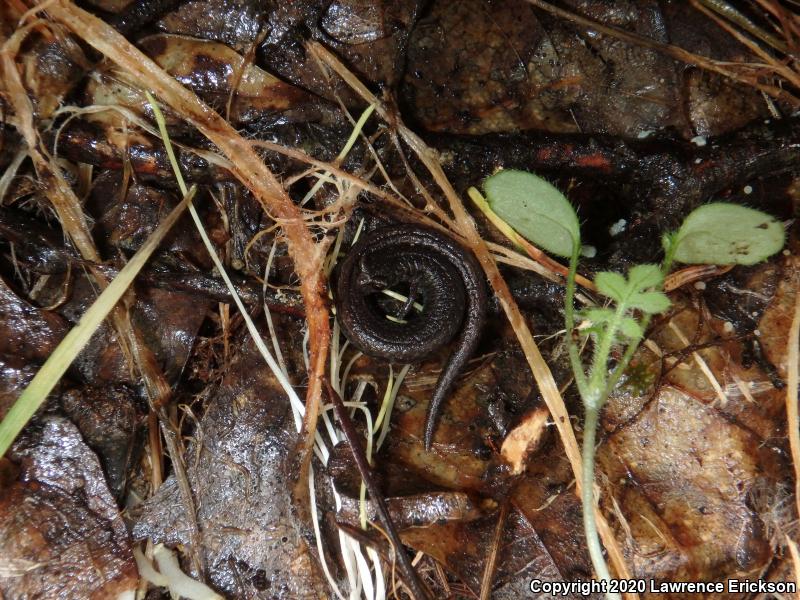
535,209
721,233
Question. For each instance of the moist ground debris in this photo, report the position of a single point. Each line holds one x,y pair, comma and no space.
170,428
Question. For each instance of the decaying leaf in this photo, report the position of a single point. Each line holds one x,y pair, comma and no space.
236,468
171,418
61,533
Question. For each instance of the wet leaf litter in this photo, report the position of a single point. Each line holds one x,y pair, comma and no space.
170,446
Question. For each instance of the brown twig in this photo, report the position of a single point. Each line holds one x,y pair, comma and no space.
793,422
693,273
65,203
779,67
170,437
795,553
790,22
730,13
494,550
410,576
156,459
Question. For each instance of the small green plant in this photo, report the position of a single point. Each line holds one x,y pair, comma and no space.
717,233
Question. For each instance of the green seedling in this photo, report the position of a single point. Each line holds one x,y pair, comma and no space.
717,233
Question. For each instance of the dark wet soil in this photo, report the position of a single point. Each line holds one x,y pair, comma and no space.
694,468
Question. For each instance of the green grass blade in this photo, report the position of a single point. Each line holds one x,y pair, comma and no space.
59,361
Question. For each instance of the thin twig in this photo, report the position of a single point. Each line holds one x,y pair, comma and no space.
156,457
413,582
777,66
795,559
494,550
185,490
693,273
730,13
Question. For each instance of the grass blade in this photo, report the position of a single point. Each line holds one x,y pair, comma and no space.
59,361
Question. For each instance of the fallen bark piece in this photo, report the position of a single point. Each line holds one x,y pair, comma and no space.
59,524
525,439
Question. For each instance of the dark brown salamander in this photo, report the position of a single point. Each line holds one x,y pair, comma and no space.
441,274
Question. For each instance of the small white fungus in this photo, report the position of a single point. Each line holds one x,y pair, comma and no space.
617,228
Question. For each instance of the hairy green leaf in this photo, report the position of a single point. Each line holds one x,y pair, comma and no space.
599,319
603,318
535,208
727,234
631,328
645,276
635,291
651,303
597,315
613,285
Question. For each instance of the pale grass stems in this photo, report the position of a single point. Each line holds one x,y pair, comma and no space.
170,575
373,586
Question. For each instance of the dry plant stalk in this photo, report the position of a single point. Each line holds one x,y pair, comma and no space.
793,422
65,203
742,72
466,228
73,221
494,550
71,216
795,553
778,67
790,22
251,171
692,274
